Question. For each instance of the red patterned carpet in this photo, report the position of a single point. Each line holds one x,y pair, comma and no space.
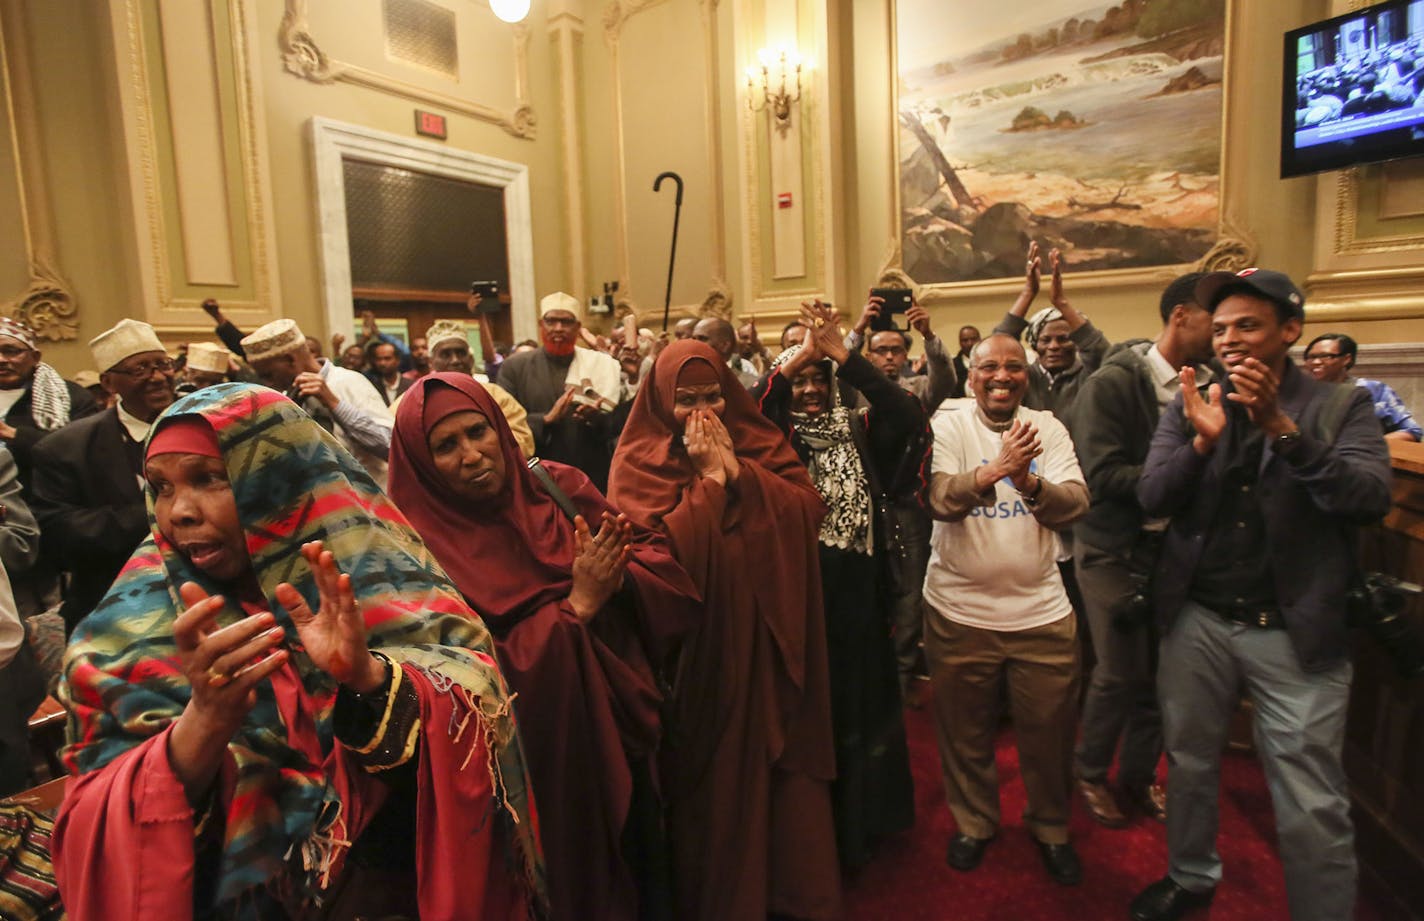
909,879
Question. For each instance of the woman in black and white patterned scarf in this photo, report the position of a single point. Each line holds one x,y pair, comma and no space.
850,453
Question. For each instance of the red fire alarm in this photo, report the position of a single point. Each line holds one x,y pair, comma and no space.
430,124
783,199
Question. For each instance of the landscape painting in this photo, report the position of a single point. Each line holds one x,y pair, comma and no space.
1091,127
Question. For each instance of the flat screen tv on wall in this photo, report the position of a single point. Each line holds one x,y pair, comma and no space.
1354,89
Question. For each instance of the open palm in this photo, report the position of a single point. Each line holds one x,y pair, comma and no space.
334,637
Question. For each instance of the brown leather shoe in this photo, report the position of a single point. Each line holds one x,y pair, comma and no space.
1150,800
1102,804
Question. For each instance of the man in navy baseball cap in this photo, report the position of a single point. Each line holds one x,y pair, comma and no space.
1275,287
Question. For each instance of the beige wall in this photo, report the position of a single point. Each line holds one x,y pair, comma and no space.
622,91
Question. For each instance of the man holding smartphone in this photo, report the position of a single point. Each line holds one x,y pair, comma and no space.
889,350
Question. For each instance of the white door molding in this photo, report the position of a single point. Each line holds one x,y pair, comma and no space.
333,140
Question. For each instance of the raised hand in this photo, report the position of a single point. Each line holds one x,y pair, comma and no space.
599,563
872,309
704,453
223,667
919,319
1033,272
1055,290
1256,387
1208,417
824,330
335,636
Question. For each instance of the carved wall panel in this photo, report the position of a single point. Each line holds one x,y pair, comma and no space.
196,154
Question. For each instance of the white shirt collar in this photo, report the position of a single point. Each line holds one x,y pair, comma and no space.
136,427
1163,374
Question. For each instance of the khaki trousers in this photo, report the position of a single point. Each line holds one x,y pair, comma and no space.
968,667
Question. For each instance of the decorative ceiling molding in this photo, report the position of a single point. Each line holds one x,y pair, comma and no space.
47,304
302,56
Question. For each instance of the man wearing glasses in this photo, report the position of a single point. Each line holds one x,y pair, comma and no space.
1331,357
88,476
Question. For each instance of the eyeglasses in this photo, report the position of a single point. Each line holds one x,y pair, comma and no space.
1323,356
10,352
162,366
886,351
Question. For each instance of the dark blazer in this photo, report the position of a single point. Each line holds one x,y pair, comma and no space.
27,434
90,507
1312,503
1117,415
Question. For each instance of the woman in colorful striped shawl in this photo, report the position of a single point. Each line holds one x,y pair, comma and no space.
234,749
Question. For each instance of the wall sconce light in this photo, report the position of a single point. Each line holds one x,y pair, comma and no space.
776,83
510,10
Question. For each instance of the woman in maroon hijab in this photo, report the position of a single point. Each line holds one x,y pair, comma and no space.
748,760
580,620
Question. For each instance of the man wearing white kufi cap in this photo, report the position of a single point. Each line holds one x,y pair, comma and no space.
568,392
449,347
343,401
207,365
88,477
34,399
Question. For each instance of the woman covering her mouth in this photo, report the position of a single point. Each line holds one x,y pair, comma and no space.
583,612
281,709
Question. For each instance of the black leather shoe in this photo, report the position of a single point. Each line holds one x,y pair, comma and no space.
1164,900
1061,862
965,852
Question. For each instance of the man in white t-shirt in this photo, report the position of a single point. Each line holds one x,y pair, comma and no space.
1004,477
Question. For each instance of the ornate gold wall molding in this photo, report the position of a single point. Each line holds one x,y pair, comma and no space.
47,304
142,104
302,56
1347,240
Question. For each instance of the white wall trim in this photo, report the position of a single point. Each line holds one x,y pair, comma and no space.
333,140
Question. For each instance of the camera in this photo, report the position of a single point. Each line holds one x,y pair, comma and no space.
1377,605
896,301
488,293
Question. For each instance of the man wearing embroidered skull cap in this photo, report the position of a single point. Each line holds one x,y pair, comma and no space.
88,476
448,348
568,392
207,365
1266,477
34,399
343,402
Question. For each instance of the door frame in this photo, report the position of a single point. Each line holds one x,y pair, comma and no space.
333,141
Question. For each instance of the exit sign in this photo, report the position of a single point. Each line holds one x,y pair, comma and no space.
430,124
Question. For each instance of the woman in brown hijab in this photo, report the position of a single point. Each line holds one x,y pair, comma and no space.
580,620
748,758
